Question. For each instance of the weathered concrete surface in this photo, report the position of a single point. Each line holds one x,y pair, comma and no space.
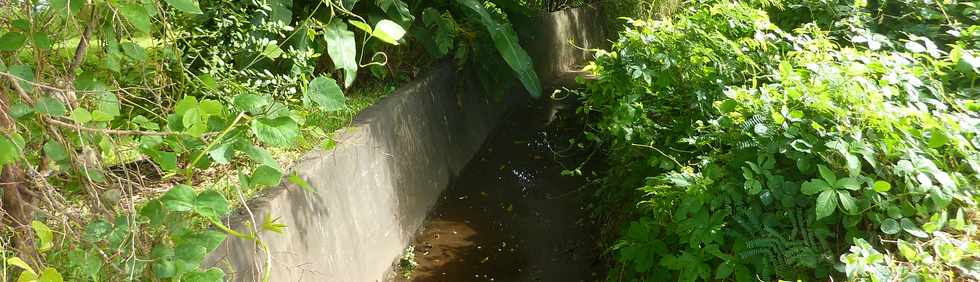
373,190
561,43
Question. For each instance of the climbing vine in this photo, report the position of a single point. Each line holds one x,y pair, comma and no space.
121,119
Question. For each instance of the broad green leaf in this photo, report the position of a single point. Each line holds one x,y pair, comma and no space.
96,230
211,275
258,154
180,198
189,256
191,117
134,51
909,226
325,92
67,7
362,26
250,103
342,50
166,160
165,268
278,132
187,6
847,202
136,15
908,251
882,186
25,74
42,40
19,263
388,31
266,175
55,151
724,270
153,210
937,138
505,40
853,165
827,174
826,203
849,184
11,41
222,153
81,115
50,274
8,151
50,106
890,226
211,107
813,187
211,204
272,51
108,103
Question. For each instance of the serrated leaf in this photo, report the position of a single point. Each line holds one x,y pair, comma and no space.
325,92
342,50
890,226
278,132
180,198
388,32
187,6
826,203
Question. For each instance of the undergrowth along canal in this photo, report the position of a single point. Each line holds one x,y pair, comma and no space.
512,215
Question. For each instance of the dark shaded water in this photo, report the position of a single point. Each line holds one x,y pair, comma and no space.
511,215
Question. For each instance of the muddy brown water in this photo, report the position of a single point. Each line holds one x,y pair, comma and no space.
511,215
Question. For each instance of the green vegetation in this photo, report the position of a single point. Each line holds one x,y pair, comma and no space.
766,140
118,118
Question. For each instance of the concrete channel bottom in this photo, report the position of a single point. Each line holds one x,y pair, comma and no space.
511,215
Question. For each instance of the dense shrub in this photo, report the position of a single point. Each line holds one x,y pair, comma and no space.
756,153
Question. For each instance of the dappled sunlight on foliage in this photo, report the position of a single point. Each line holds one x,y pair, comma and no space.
844,148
